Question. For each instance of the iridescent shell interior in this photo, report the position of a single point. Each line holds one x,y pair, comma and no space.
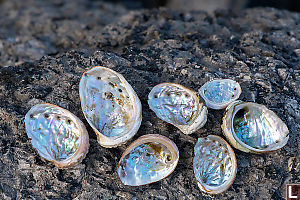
173,104
214,164
218,94
56,134
110,105
255,127
147,160
178,105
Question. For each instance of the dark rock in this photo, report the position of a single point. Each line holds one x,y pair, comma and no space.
148,47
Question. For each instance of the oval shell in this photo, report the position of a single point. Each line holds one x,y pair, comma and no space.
57,134
251,127
149,159
218,94
110,106
179,106
215,165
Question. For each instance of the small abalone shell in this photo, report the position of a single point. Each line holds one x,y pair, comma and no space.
179,106
57,134
218,94
110,106
251,127
149,159
214,164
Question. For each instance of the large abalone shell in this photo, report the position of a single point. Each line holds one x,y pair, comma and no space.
110,106
149,159
57,134
251,127
179,106
218,94
214,164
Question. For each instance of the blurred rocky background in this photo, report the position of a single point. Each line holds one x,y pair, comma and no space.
45,46
211,5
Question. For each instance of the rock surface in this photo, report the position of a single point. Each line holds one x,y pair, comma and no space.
259,48
31,29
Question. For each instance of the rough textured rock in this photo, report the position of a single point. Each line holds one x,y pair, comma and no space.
31,29
259,48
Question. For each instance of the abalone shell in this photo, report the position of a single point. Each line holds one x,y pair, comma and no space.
179,106
110,106
149,159
214,164
57,134
218,94
251,127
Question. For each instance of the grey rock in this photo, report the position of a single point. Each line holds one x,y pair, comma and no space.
148,47
31,29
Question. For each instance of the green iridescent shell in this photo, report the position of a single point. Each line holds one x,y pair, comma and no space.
251,127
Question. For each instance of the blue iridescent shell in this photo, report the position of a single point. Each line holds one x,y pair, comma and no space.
149,159
218,94
57,134
110,106
179,106
251,127
215,165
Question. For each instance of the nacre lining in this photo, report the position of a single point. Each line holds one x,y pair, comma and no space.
149,159
57,135
179,106
252,127
110,105
214,164
218,94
